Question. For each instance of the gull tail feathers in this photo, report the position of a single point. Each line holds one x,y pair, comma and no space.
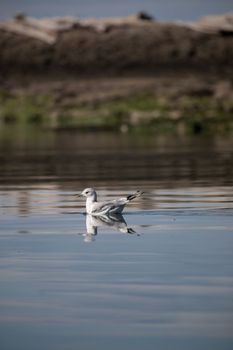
134,195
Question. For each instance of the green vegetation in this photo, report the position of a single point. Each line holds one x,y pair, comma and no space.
144,112
24,109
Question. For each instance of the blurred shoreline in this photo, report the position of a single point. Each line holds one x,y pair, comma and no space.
66,72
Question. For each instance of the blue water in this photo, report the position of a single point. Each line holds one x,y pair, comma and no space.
160,277
167,285
160,9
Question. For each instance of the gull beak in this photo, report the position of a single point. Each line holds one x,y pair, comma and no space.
79,195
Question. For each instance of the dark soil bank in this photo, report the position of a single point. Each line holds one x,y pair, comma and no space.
139,48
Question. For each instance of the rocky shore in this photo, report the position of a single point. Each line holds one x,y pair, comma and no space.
136,43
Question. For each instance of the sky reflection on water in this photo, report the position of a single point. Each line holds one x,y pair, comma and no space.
170,283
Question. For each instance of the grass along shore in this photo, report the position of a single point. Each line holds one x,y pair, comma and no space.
198,112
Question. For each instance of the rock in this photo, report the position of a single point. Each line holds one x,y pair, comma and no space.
175,114
20,17
142,117
144,16
45,29
215,24
223,89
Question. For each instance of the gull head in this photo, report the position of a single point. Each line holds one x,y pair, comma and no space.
88,192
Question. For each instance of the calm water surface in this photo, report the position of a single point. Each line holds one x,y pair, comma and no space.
159,277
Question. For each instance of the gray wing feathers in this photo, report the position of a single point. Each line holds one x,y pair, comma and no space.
115,206
103,207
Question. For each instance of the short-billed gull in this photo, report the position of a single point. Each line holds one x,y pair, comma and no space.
96,208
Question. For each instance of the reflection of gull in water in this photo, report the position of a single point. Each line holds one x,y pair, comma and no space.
105,208
115,221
